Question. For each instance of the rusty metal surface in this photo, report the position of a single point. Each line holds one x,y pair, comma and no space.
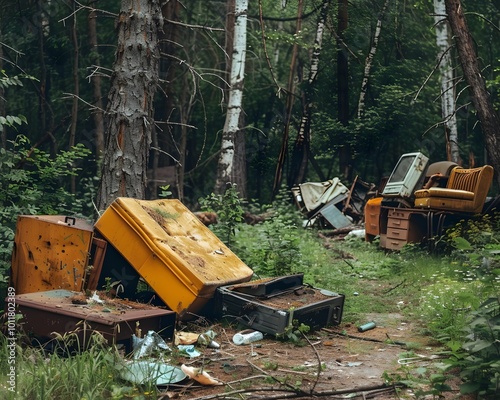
50,252
55,311
168,246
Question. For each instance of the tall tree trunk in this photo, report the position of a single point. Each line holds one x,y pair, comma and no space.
443,41
2,98
488,117
290,99
369,61
96,84
165,139
44,89
240,162
76,90
302,143
343,86
130,105
226,168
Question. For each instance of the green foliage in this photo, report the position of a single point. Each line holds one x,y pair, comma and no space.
478,358
165,192
229,212
32,183
295,332
272,247
280,247
87,374
10,120
446,304
422,380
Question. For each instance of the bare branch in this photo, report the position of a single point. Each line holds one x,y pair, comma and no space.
203,27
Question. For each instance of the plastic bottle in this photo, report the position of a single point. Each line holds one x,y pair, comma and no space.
247,336
366,327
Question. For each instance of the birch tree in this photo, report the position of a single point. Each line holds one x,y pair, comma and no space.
130,103
369,61
226,165
443,40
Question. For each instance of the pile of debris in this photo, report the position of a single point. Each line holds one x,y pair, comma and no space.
140,269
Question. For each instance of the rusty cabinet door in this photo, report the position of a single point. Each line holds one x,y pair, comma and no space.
50,252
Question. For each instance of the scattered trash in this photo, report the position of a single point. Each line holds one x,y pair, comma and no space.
207,339
189,350
418,358
353,364
186,338
366,327
142,372
145,346
199,375
357,233
95,298
247,336
328,293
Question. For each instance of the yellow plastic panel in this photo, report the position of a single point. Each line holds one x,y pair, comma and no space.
50,252
179,257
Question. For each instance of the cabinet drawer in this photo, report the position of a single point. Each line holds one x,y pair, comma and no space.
401,214
394,244
398,223
394,233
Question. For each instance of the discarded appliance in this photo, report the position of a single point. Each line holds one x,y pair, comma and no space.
181,259
55,311
407,175
322,200
50,252
359,193
407,213
271,305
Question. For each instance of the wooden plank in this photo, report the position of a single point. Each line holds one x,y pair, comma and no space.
99,251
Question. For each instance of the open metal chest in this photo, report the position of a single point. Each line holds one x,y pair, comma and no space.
271,305
57,312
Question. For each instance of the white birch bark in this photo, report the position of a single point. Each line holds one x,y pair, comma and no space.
443,41
226,167
369,61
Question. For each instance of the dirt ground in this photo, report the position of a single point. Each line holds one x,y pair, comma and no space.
353,364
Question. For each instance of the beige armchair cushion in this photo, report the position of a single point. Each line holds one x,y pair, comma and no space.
465,191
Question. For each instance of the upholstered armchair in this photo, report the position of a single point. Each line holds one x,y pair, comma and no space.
465,191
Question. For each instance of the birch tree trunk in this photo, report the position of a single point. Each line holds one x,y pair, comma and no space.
226,166
369,61
488,117
130,104
443,41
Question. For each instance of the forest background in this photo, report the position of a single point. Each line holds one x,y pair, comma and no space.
58,58
366,90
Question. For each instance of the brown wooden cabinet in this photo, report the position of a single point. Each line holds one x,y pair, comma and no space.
402,226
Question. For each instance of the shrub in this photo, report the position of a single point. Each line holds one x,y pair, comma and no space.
31,182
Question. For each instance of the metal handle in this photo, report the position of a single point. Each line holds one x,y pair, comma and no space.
67,219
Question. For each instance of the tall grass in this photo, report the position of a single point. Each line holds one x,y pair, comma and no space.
66,372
